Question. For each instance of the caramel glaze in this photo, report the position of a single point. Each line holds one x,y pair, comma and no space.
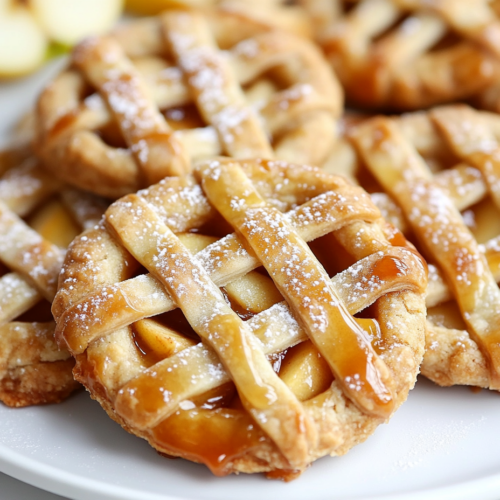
149,356
214,438
184,117
241,311
397,239
174,320
388,268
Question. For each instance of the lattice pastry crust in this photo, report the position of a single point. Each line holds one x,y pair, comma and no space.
242,92
32,368
178,391
440,175
263,14
410,54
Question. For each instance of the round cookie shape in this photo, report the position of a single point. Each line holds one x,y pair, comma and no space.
271,371
140,104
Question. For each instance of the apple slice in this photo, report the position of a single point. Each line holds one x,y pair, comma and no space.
22,42
55,224
68,21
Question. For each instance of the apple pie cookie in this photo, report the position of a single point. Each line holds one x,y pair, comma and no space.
273,370
439,176
410,54
32,369
138,106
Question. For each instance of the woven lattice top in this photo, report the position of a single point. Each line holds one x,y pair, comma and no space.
410,54
440,176
255,14
32,369
215,382
138,106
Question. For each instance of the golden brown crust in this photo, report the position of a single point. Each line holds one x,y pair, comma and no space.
95,306
32,368
288,109
411,54
38,384
433,165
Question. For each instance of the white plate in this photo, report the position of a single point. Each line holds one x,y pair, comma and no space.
442,444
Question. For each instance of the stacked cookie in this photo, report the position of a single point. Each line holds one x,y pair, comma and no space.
236,305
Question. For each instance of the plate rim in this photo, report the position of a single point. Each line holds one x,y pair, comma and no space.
61,482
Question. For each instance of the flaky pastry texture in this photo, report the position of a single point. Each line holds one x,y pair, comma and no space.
273,370
435,175
411,54
38,217
141,103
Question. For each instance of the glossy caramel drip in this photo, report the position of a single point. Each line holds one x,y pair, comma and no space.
344,343
184,117
388,268
149,356
218,397
283,474
215,437
241,311
397,238
475,390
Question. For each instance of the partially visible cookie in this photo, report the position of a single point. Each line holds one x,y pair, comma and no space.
35,224
402,55
140,105
436,176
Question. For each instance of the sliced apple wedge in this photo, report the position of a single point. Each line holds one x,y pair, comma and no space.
23,43
55,224
68,21
159,340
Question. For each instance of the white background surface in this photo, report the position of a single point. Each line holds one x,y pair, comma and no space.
12,489
442,444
